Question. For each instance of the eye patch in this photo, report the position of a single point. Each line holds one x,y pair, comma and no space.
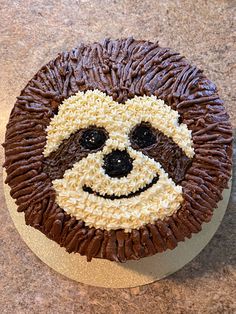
161,148
73,149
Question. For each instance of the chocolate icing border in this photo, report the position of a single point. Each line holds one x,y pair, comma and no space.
122,69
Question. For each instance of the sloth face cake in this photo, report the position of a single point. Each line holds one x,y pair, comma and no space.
118,150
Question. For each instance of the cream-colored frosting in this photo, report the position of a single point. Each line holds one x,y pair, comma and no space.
160,200
96,108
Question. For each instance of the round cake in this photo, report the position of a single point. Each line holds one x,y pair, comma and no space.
118,150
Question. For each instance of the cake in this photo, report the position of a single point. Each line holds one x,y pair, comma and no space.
118,150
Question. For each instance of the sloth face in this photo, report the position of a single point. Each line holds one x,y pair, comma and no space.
117,166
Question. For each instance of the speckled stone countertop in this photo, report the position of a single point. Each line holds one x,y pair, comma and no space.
31,33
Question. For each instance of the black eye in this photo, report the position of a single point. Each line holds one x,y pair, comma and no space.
93,138
143,135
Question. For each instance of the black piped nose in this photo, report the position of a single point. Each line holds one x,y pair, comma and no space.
118,164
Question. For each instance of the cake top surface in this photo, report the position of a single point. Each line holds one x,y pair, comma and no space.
118,149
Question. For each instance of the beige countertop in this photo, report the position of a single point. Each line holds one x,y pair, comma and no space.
31,33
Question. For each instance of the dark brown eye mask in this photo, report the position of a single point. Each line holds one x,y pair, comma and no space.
71,151
163,150
150,142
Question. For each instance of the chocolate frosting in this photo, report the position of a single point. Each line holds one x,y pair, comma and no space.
122,69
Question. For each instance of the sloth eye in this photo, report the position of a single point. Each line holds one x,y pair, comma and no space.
93,138
143,135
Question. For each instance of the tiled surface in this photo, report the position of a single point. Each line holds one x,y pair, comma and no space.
32,32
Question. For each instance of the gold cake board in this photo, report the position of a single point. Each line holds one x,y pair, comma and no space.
103,273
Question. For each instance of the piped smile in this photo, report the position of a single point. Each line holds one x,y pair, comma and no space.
114,197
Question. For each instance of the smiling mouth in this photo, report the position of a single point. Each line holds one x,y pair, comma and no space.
115,197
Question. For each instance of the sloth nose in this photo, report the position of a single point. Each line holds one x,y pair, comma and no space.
118,164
